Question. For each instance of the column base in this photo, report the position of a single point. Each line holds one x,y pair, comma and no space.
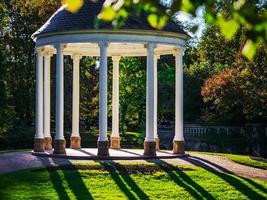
75,142
157,144
48,143
39,145
178,147
115,143
59,146
149,148
103,148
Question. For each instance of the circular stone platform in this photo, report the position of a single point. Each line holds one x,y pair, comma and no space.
114,154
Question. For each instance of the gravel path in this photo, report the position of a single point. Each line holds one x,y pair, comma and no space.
222,164
14,161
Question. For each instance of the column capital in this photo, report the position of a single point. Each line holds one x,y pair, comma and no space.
116,58
39,50
60,46
103,44
179,52
48,54
76,57
150,45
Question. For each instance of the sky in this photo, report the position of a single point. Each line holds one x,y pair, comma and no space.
199,20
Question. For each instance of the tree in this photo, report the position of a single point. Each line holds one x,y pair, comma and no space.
166,88
132,94
238,95
89,89
17,78
18,55
212,55
5,109
229,16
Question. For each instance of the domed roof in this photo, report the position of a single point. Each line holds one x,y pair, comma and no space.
85,19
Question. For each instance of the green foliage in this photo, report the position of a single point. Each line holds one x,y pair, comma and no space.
239,94
239,99
18,20
156,21
89,88
107,14
132,139
166,88
249,49
212,55
73,5
132,94
17,137
228,16
5,110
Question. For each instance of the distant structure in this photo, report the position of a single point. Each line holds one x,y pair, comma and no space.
77,35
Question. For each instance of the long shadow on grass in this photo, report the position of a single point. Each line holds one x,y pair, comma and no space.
256,185
235,182
184,181
251,182
74,180
55,179
119,174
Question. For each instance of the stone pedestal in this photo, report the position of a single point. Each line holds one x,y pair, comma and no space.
149,148
75,142
178,147
59,147
103,148
115,143
157,144
48,143
39,145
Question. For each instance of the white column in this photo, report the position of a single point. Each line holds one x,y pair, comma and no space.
115,96
59,93
103,89
76,96
39,134
156,96
150,102
179,127
47,95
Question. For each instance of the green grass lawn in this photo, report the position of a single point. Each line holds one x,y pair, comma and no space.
241,159
107,180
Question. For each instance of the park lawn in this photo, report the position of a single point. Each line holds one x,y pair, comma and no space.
107,180
241,159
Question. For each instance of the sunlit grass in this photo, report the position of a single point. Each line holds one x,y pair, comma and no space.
107,180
